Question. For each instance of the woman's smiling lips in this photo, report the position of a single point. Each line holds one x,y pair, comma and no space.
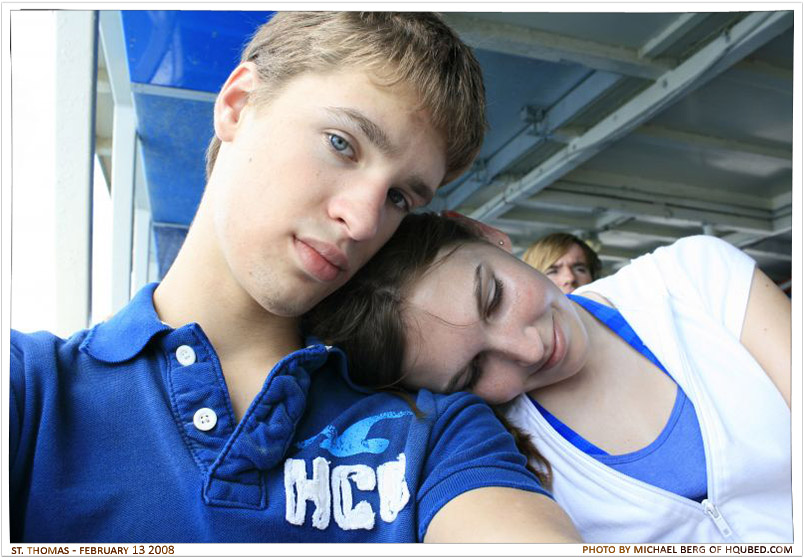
559,346
322,260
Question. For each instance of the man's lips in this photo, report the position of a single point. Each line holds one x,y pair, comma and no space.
322,260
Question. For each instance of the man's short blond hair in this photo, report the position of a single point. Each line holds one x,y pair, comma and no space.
414,49
547,250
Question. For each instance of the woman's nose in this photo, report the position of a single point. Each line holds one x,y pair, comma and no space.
525,346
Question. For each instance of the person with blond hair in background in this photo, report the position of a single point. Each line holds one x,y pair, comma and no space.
567,260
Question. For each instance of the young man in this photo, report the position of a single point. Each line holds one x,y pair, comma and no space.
567,260
197,413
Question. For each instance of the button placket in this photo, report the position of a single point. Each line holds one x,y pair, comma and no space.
204,419
197,394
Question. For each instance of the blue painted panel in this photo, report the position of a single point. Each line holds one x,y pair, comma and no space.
187,49
168,240
174,135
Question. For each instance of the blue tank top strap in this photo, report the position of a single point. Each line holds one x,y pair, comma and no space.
568,433
615,321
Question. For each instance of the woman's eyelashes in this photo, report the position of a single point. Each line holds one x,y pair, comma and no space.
474,374
496,296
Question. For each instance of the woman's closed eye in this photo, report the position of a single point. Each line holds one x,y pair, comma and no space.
496,297
475,368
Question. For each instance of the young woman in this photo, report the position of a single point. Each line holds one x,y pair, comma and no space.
659,395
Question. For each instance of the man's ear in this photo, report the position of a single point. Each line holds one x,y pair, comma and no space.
232,99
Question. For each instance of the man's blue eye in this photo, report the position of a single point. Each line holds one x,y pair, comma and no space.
338,142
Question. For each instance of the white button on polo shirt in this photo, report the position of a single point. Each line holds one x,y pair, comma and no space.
205,419
185,355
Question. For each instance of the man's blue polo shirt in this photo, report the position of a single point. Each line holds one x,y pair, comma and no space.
125,433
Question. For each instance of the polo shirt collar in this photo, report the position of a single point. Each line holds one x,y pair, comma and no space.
339,359
126,333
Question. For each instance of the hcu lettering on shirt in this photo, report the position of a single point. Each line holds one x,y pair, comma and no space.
332,492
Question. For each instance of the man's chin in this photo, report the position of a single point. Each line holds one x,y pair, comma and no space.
294,306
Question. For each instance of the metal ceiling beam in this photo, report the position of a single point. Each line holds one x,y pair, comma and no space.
636,208
668,36
725,50
741,238
533,223
653,231
579,97
542,45
664,199
110,28
780,202
624,254
616,253
668,137
781,224
660,135
123,156
758,253
636,183
610,220
680,139
174,92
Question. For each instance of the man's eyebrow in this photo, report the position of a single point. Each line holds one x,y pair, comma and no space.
372,131
379,138
479,298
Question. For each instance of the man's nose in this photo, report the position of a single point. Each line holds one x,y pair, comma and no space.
360,207
567,281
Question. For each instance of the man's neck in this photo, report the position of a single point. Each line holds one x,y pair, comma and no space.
248,339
